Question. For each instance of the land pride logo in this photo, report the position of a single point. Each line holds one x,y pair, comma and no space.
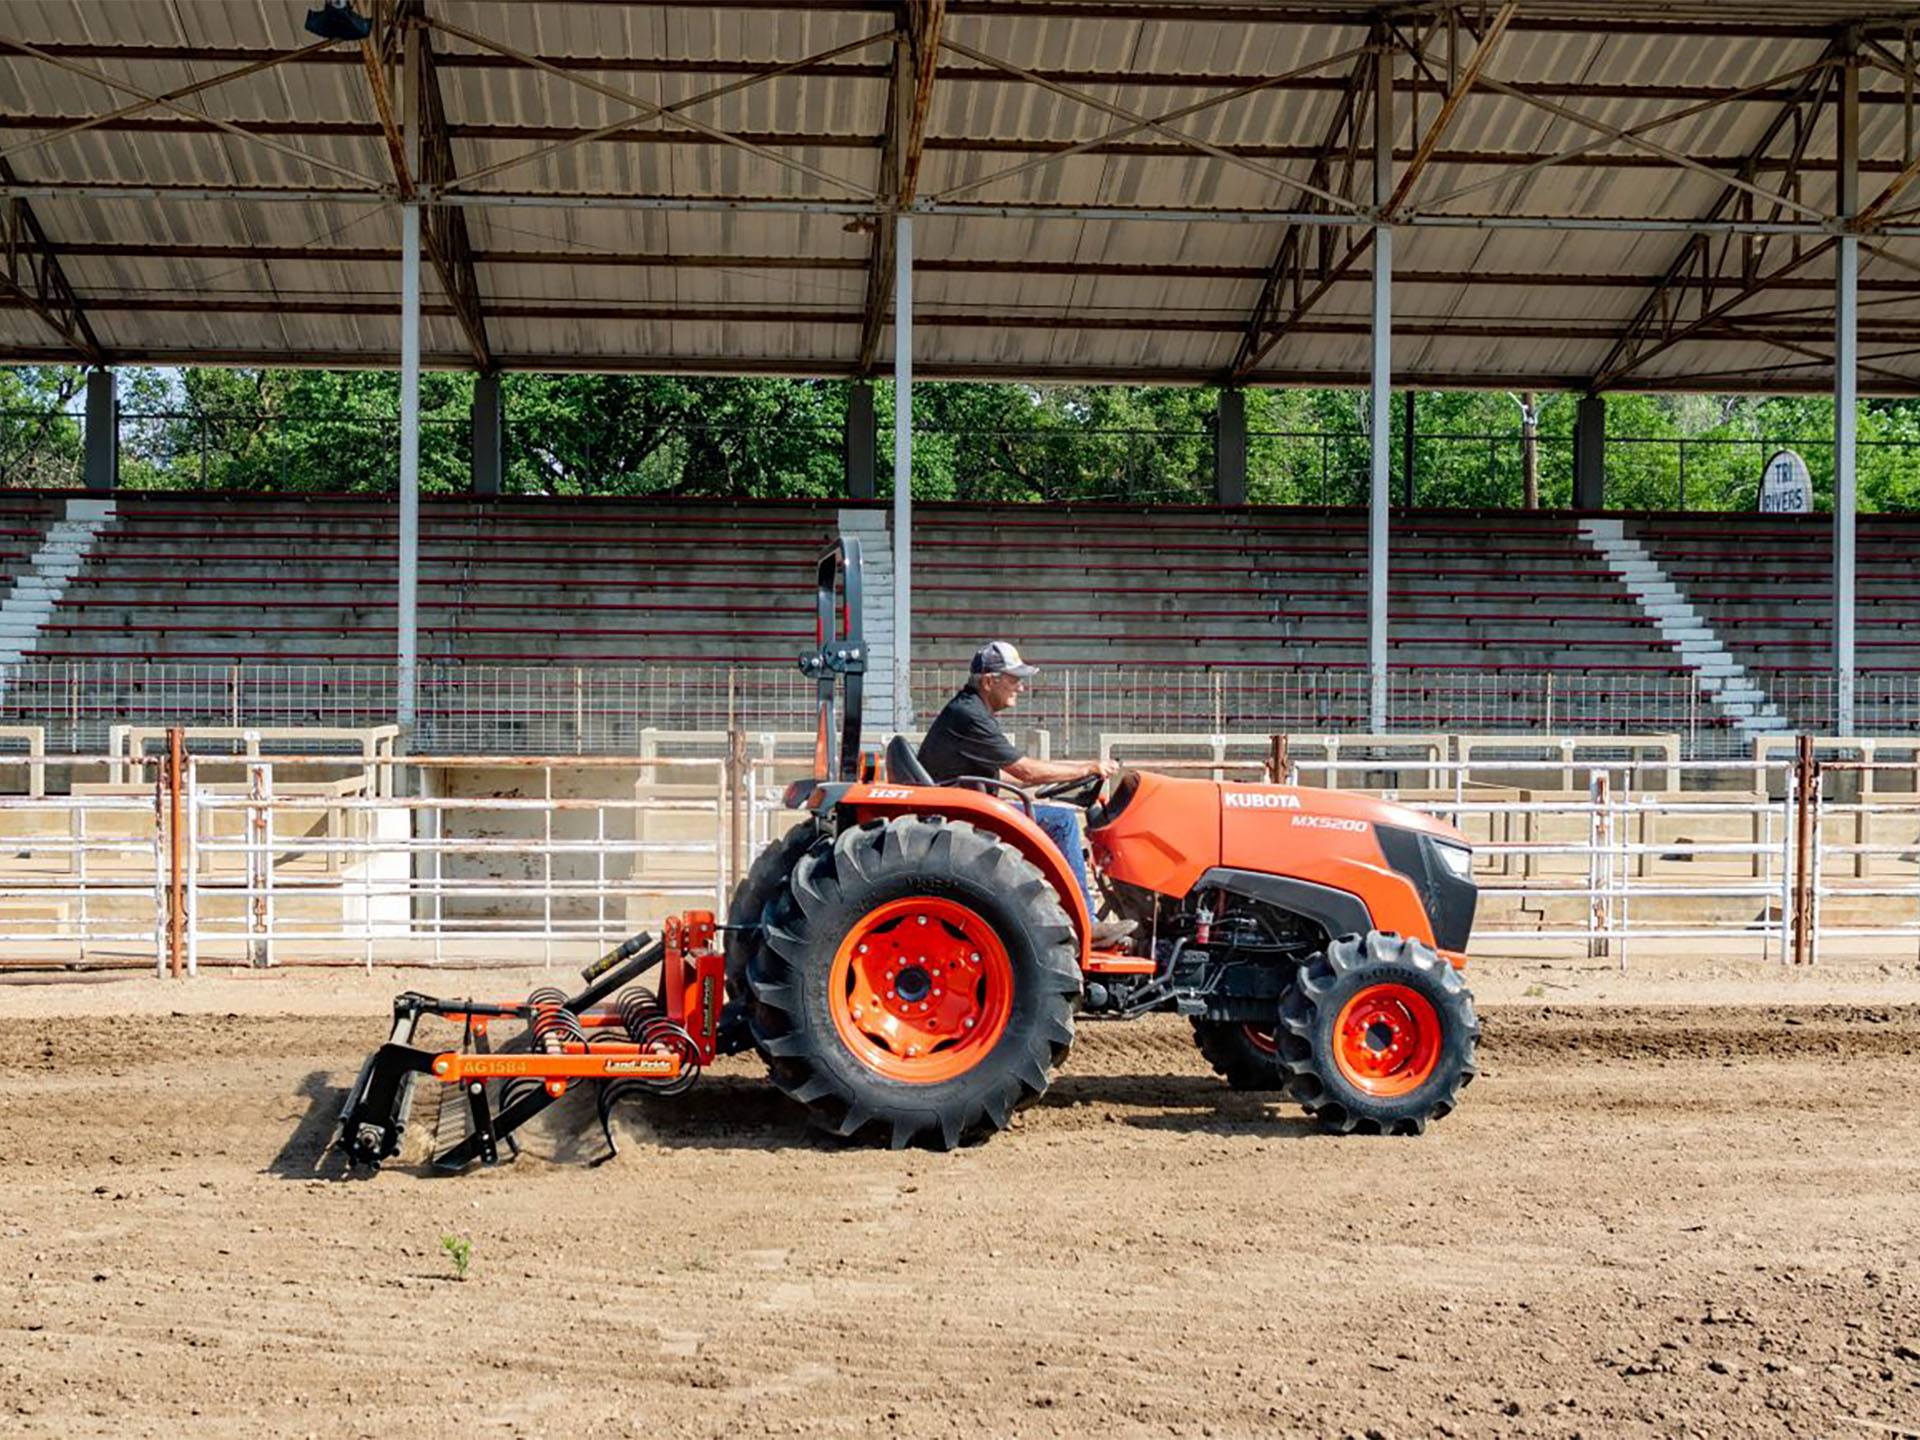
1258,800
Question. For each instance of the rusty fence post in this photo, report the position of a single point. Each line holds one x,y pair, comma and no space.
176,840
1804,880
1279,762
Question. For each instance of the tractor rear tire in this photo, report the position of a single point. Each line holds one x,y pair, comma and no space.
764,880
917,979
1245,1056
1377,1034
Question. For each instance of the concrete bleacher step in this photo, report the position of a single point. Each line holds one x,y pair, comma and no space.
1694,639
33,599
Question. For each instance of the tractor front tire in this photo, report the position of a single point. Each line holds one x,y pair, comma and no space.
917,978
1245,1056
1377,1035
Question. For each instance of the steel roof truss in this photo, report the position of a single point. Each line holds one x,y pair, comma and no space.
30,269
1658,325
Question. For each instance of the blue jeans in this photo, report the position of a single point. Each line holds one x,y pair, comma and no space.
1062,824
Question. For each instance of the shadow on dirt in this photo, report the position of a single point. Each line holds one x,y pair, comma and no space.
741,1113
308,1153
1180,1104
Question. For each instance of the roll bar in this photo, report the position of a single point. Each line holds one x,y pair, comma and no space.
842,654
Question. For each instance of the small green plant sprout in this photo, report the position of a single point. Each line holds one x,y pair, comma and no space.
460,1251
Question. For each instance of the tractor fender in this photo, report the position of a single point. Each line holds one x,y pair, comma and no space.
1329,903
984,812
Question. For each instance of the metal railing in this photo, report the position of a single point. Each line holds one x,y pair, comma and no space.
799,455
604,710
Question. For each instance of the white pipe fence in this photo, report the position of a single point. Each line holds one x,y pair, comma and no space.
509,859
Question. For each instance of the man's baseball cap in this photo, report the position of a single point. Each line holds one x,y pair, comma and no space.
997,657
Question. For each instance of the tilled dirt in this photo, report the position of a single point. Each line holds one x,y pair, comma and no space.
1642,1220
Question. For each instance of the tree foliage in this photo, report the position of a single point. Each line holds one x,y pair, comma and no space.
328,431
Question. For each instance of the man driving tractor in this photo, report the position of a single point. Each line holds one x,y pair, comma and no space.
965,739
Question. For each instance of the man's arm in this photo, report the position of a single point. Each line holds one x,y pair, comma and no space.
1029,771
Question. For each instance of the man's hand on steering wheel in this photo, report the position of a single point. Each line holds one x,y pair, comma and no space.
1082,789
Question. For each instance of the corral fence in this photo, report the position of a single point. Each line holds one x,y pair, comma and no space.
606,710
251,848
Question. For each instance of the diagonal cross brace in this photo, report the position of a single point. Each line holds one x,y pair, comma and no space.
30,269
1652,328
443,228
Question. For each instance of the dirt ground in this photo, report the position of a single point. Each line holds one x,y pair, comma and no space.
1677,1202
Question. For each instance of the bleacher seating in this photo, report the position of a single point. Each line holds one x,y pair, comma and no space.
1765,583
1177,591
245,579
304,581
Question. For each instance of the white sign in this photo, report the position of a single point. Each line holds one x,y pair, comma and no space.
1786,488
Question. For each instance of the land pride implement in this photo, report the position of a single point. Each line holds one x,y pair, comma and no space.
911,959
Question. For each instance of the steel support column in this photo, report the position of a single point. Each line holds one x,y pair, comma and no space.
1381,490
409,558
102,436
1590,453
1230,449
902,472
859,441
1846,395
488,435
409,622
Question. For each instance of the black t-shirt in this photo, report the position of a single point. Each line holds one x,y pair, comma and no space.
965,739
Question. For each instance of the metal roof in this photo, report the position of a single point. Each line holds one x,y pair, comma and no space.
257,220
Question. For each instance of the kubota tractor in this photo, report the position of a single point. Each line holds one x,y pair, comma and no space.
911,959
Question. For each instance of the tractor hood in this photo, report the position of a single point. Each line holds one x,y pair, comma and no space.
1399,869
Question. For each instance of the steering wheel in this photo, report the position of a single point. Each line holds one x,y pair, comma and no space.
1083,791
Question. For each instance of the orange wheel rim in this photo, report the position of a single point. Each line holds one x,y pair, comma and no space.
1261,1040
921,989
1386,1040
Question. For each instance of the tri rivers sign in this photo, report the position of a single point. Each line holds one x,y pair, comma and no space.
1786,488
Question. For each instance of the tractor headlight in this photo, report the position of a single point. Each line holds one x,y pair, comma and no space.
1457,858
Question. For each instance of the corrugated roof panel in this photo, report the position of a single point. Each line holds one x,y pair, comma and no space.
1096,294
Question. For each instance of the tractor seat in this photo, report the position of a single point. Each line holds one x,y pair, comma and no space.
903,766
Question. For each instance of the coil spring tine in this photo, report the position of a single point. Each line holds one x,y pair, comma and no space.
635,1007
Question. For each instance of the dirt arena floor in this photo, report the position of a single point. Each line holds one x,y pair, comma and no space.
1674,1203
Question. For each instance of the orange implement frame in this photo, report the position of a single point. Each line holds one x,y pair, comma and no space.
578,1062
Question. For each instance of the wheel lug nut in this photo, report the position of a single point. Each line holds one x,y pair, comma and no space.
863,949
968,1022
921,918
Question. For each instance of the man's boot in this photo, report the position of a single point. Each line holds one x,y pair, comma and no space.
1109,933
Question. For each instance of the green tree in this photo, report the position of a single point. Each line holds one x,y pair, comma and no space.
41,440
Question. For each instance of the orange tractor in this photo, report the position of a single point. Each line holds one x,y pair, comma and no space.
911,959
